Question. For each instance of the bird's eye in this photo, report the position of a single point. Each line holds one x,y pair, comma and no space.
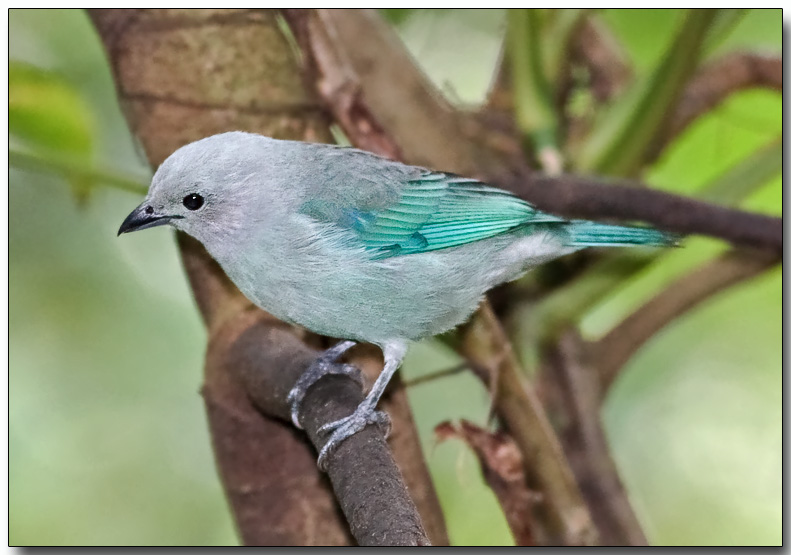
193,201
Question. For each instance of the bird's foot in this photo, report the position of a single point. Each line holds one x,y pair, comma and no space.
324,365
344,428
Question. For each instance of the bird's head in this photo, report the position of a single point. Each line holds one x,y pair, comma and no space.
208,188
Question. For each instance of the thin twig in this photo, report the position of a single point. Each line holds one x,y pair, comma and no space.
584,440
452,371
611,352
715,82
484,342
29,161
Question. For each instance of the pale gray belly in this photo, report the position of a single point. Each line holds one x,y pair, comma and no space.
408,297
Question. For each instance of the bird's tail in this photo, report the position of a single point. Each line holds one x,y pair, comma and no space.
592,234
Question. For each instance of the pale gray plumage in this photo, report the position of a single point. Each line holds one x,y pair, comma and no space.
352,245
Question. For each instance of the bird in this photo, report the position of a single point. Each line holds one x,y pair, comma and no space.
352,245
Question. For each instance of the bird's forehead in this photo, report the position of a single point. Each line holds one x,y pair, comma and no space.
215,165
174,174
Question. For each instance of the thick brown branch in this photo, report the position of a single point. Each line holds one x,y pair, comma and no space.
223,68
364,475
591,198
612,351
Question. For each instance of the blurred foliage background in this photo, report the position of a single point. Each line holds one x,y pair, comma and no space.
107,436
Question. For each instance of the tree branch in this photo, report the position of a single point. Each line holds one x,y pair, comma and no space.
562,516
574,402
69,169
598,50
184,75
592,198
716,81
610,353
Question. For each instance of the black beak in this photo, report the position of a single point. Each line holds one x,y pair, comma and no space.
143,217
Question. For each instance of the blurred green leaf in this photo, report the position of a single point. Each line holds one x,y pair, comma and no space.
49,115
623,135
557,38
397,16
533,103
745,177
722,26
46,111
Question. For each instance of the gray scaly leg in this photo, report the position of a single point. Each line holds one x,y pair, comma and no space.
366,412
324,365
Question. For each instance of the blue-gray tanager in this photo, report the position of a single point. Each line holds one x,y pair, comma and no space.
351,245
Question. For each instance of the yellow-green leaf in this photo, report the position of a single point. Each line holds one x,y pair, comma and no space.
49,115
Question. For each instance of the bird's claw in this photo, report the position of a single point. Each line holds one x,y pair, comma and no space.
324,365
346,427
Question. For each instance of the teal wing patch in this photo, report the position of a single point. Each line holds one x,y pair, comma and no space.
438,211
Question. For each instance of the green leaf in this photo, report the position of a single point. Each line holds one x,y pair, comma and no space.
557,38
397,16
737,183
48,114
535,112
722,26
623,136
46,111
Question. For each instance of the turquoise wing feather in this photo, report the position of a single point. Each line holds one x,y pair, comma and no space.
437,211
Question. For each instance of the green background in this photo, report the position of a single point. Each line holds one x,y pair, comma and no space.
108,441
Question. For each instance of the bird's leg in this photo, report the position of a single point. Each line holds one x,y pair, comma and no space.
366,412
324,365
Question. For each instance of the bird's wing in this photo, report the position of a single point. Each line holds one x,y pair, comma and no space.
428,212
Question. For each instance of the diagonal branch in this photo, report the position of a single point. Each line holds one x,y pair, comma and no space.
360,46
562,516
716,81
610,353
571,389
183,75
